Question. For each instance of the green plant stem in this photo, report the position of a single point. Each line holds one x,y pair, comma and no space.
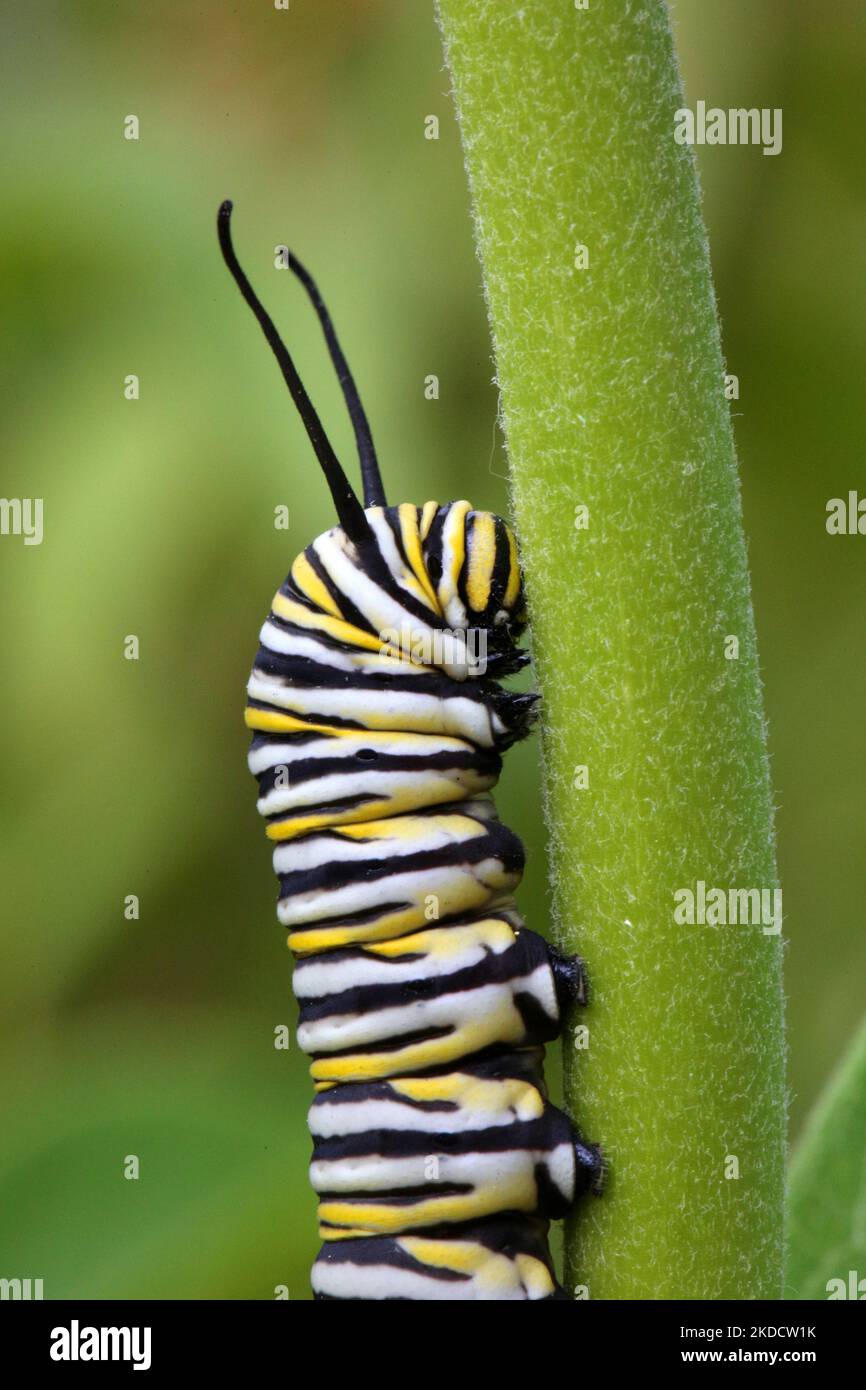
612,395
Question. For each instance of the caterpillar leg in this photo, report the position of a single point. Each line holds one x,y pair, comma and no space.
590,1167
572,987
570,977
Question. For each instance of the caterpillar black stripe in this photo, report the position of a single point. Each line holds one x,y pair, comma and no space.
425,1003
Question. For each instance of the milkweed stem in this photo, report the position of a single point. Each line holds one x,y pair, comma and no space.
625,489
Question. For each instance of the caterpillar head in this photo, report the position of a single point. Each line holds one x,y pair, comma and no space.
492,578
472,573
470,558
474,566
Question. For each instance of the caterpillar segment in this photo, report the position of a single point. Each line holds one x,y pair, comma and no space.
498,1260
425,1002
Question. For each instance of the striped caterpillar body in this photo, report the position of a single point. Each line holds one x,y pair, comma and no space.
425,1002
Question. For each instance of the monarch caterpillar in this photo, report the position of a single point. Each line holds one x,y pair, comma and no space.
425,1003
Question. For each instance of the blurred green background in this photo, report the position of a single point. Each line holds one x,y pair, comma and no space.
155,1037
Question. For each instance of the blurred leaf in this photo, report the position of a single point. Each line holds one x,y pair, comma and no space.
827,1191
214,1114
